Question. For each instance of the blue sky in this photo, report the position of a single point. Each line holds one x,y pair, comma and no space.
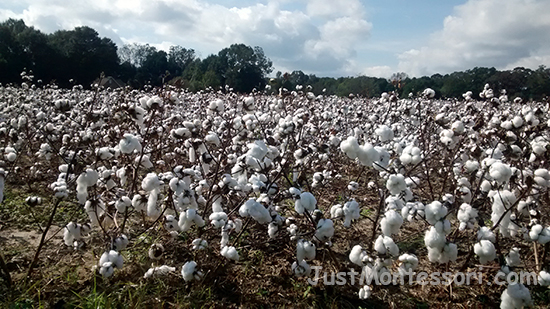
322,37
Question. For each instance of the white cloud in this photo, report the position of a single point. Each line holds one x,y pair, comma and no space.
485,33
319,36
382,71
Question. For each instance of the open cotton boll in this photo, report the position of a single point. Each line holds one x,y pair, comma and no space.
120,243
306,202
410,155
199,244
434,239
544,278
367,154
384,133
325,230
336,211
171,223
151,182
144,161
457,127
305,250
351,212
129,143
230,253
189,271
257,211
516,296
122,204
500,172
301,269
272,230
409,262
434,212
386,245
540,234
218,219
357,256
396,184
485,250
159,271
467,216
106,269
350,147
365,292
542,177
391,223
139,202
513,258
188,218
428,93
485,233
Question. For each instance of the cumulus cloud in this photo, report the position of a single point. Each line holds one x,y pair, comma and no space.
317,36
503,34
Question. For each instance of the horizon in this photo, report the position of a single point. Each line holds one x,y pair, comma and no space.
344,39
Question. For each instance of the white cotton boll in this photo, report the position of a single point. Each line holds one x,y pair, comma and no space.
351,212
199,244
230,253
544,278
152,210
357,255
129,143
365,292
540,234
301,269
122,204
516,296
467,216
350,147
120,243
188,218
485,233
306,202
513,258
434,212
458,127
384,133
409,262
336,211
305,250
145,161
257,211
396,184
11,156
517,121
433,239
188,270
325,230
367,154
485,186
500,172
160,271
139,202
386,245
542,177
391,223
218,219
272,230
353,186
428,93
485,250
171,223
471,166
106,269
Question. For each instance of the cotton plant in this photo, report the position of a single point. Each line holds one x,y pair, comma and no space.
439,249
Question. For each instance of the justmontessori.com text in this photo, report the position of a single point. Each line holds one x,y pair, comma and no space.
368,277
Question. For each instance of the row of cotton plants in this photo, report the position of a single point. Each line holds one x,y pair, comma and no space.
295,170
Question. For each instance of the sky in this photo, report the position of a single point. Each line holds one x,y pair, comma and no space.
322,37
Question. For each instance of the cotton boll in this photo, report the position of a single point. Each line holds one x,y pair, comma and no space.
336,211
467,216
350,147
306,202
351,212
365,292
151,182
386,245
357,255
485,250
433,239
542,177
325,230
230,253
199,244
156,251
396,184
305,250
257,211
513,258
434,212
515,296
544,278
540,234
188,271
409,262
485,233
129,143
120,243
500,172
301,269
391,223
367,154
272,230
106,269
161,271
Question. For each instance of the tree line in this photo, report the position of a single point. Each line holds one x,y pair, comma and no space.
79,56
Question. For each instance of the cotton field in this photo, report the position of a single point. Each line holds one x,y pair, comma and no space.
195,190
